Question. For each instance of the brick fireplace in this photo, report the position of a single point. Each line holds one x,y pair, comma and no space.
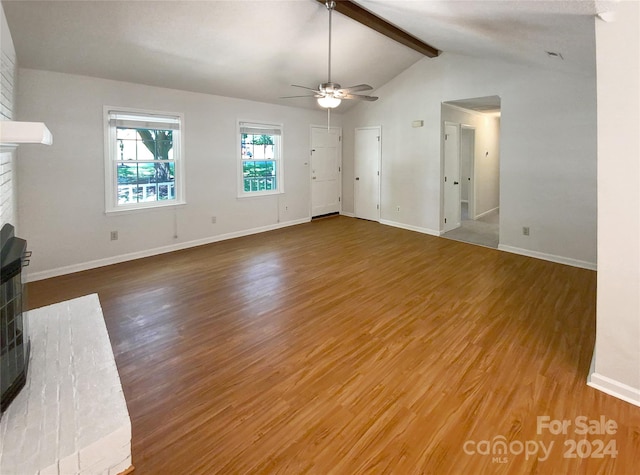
71,417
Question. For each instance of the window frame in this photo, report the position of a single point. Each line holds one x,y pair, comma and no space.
111,160
278,158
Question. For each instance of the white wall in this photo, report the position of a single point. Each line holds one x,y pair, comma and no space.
61,188
616,363
487,155
8,206
547,151
8,65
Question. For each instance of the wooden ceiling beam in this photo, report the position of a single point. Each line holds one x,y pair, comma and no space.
368,19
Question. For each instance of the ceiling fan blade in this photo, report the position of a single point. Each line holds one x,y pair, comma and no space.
291,97
359,87
359,97
307,88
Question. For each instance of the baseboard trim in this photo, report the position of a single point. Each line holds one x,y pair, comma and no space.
410,227
32,277
549,257
348,214
614,388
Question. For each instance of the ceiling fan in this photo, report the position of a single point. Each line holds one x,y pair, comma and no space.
331,94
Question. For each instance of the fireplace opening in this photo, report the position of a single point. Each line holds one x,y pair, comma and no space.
14,337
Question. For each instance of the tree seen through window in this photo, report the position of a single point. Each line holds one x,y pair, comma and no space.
146,169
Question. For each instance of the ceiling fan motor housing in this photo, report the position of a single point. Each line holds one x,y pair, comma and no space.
329,87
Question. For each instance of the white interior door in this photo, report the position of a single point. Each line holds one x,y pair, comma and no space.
451,176
326,166
367,172
467,164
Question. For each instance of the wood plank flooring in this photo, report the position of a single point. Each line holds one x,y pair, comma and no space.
344,346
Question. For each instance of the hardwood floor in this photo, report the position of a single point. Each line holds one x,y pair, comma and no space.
344,346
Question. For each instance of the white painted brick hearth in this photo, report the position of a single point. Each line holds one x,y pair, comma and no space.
71,417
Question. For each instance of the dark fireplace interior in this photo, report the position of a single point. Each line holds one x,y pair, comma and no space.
14,338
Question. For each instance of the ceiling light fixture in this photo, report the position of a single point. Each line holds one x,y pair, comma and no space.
329,102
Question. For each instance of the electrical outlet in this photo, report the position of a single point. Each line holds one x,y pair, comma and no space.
114,235
213,220
525,230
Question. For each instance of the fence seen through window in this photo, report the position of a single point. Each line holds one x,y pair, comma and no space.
260,170
145,164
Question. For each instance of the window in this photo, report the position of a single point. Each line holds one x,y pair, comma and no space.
260,166
143,160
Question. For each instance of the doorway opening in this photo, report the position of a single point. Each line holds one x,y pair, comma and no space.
470,197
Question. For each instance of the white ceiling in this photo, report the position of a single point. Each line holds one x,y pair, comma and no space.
255,49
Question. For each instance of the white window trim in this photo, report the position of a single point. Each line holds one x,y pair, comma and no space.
280,160
110,174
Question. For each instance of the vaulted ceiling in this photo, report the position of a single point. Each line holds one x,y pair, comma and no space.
256,49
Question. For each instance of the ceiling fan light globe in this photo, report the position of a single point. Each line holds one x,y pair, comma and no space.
329,102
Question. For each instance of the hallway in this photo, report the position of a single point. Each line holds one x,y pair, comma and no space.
483,231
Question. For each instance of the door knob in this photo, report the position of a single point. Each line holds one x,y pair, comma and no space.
357,178
455,183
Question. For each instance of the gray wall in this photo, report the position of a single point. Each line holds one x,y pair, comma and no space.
616,361
547,151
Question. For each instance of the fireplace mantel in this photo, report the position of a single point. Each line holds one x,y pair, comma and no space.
14,133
